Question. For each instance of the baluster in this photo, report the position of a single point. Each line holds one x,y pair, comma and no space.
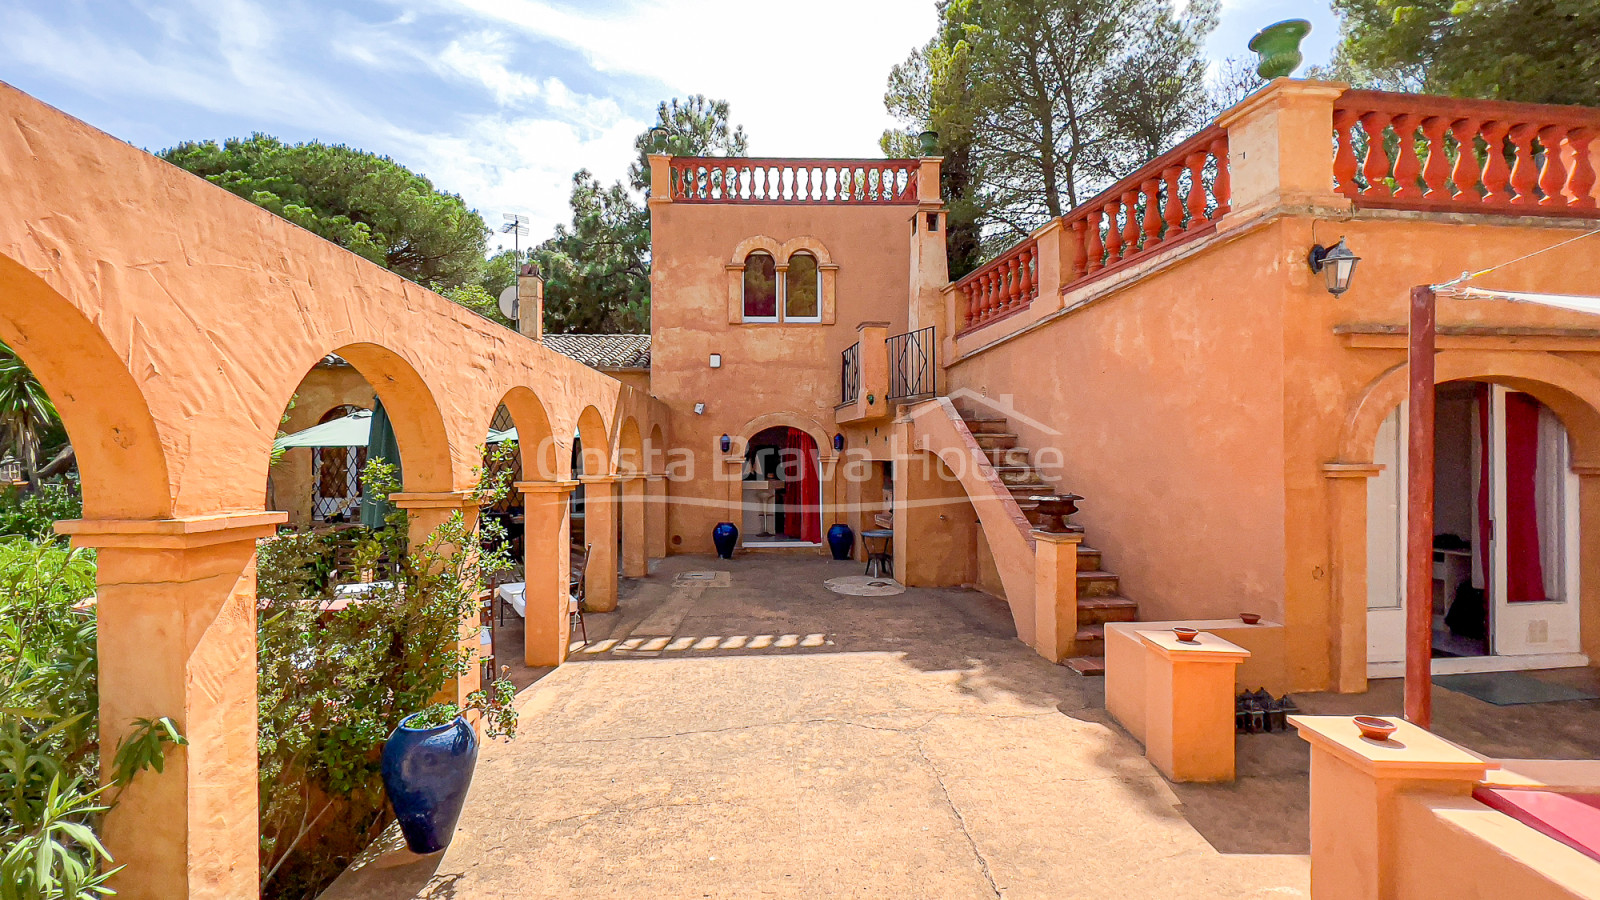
1173,214
1376,166
1013,285
1524,177
1437,169
1152,212
1025,274
1496,173
1553,177
1080,255
1580,184
1223,186
1093,249
991,292
1130,230
1344,159
1406,165
1113,232
1196,162
1466,171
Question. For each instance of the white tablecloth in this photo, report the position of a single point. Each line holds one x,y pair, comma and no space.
515,594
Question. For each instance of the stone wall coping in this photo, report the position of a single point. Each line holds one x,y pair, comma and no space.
1411,753
545,487
1206,648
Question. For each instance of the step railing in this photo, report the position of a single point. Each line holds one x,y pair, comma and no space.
912,364
1405,151
850,374
809,181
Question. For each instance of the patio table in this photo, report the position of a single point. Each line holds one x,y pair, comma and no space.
515,595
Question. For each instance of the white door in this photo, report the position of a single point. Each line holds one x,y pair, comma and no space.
1386,545
1530,628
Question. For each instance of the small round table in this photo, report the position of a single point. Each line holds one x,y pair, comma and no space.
880,561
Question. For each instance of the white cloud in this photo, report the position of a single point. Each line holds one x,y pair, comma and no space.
482,58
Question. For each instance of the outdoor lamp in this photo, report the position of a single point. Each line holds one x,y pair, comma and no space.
838,442
1336,263
727,443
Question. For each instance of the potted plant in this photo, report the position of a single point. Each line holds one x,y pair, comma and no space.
1278,45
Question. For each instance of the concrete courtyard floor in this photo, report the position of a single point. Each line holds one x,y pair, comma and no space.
756,735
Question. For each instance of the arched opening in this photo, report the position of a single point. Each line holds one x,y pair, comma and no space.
1507,525
656,452
782,489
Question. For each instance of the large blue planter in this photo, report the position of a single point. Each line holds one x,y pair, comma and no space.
427,772
724,536
841,540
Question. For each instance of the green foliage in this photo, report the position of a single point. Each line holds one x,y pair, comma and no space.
1535,51
1041,103
26,412
366,203
49,728
32,514
334,683
597,269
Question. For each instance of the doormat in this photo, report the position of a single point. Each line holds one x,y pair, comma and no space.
1511,688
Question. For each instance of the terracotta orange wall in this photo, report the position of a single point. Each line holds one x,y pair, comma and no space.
788,370
1198,404
325,388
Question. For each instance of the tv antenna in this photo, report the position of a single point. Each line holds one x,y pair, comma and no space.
517,227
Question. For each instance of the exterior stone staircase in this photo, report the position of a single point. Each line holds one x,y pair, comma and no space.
1099,596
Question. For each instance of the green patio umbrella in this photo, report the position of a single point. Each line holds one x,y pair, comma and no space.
381,444
354,430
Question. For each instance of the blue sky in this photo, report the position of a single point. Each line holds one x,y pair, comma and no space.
498,100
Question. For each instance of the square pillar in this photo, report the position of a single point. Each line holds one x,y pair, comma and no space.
428,510
177,620
1189,705
1356,784
547,570
600,533
632,489
655,517
1055,593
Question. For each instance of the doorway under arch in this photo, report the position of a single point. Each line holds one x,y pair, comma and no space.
782,489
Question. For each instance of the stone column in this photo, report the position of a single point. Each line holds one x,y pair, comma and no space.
1356,786
428,510
655,516
1588,560
1278,149
634,564
600,533
1055,593
177,618
1347,489
547,568
1189,705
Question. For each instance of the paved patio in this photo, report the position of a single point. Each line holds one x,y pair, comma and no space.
758,735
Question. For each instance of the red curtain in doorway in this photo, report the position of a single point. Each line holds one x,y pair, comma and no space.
803,520
1520,531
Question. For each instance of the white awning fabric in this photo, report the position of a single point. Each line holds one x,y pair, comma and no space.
1574,302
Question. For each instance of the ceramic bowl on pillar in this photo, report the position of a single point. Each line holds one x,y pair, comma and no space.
426,772
724,536
841,540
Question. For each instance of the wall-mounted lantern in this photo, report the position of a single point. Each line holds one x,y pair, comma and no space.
727,443
1337,264
838,442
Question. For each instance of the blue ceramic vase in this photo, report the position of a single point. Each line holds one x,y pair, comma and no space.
841,540
426,772
725,535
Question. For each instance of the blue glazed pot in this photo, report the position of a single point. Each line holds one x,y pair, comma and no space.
725,535
841,540
426,772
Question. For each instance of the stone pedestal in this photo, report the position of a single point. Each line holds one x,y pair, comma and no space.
1188,708
1055,593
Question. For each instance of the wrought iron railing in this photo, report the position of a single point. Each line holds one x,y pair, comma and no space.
911,364
850,374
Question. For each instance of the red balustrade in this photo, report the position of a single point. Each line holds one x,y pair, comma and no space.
1406,151
1175,197
815,181
1006,285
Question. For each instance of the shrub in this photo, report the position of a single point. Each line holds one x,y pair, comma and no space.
33,514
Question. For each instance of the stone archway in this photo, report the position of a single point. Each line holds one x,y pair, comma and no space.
1568,389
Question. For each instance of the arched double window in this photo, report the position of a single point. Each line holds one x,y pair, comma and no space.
788,293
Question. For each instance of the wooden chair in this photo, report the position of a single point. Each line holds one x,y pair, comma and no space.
577,593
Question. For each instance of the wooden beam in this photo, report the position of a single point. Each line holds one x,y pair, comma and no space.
1419,511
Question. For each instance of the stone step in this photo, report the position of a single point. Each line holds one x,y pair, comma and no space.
1023,490
1091,640
987,425
1100,610
1088,557
1018,475
1007,456
1097,583
1088,666
995,440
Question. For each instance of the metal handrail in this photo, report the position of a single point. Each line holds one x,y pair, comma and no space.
850,374
912,357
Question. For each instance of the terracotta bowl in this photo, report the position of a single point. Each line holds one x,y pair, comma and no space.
1375,728
1187,635
1249,618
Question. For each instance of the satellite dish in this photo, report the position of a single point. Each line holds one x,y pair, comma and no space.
508,303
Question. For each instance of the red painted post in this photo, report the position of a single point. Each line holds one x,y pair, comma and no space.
1419,512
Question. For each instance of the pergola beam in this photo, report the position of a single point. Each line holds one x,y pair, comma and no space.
1419,510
